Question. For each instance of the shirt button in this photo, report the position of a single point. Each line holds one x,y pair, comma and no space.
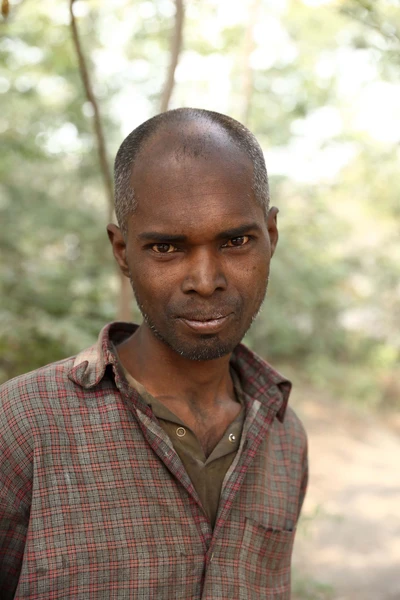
232,438
181,431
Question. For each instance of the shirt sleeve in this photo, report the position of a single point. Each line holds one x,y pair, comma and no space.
304,478
15,487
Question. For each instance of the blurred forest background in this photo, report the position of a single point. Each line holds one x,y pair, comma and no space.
317,81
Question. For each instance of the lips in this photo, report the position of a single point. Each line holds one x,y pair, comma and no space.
202,318
211,324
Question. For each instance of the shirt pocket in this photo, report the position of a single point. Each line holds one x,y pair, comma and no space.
265,558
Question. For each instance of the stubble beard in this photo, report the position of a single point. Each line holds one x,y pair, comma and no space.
211,347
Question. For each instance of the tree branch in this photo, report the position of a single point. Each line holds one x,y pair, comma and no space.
176,45
5,8
125,292
98,129
247,71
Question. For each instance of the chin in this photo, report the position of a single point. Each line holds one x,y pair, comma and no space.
201,354
205,349
197,348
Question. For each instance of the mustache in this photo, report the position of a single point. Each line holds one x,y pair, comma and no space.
204,312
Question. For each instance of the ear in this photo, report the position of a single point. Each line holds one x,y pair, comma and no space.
272,224
119,247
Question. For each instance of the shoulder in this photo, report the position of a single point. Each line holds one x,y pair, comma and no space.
293,422
24,398
294,430
45,379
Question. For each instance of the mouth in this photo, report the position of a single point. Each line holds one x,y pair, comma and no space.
212,324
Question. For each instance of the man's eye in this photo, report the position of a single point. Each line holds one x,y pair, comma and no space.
163,248
237,241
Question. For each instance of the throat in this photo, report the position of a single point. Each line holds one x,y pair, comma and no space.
208,425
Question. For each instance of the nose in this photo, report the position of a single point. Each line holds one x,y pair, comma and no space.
204,273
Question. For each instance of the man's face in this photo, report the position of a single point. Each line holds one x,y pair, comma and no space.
198,250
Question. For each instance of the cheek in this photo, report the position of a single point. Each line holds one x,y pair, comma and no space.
151,282
255,275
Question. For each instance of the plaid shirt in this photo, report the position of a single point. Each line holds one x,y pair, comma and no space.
96,504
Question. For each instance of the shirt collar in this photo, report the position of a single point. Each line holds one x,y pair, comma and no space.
90,365
258,379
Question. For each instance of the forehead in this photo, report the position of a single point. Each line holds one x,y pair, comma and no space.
196,178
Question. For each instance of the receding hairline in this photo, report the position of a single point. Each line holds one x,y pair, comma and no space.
209,125
179,144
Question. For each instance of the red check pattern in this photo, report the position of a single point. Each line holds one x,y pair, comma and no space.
96,504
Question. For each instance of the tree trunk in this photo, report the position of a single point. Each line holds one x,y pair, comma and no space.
98,128
124,310
247,71
5,8
124,299
175,47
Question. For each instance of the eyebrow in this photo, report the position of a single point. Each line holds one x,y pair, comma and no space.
158,236
238,231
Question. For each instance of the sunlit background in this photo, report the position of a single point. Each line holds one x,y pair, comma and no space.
318,83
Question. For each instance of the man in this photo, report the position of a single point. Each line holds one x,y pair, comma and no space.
163,462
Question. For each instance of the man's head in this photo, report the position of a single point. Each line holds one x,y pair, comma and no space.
196,234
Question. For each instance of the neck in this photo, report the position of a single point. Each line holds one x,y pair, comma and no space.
165,373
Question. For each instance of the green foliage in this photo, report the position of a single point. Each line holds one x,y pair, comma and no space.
53,262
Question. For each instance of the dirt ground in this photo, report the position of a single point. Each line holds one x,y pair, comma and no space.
349,535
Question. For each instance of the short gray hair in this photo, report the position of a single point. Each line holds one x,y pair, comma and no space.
125,200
